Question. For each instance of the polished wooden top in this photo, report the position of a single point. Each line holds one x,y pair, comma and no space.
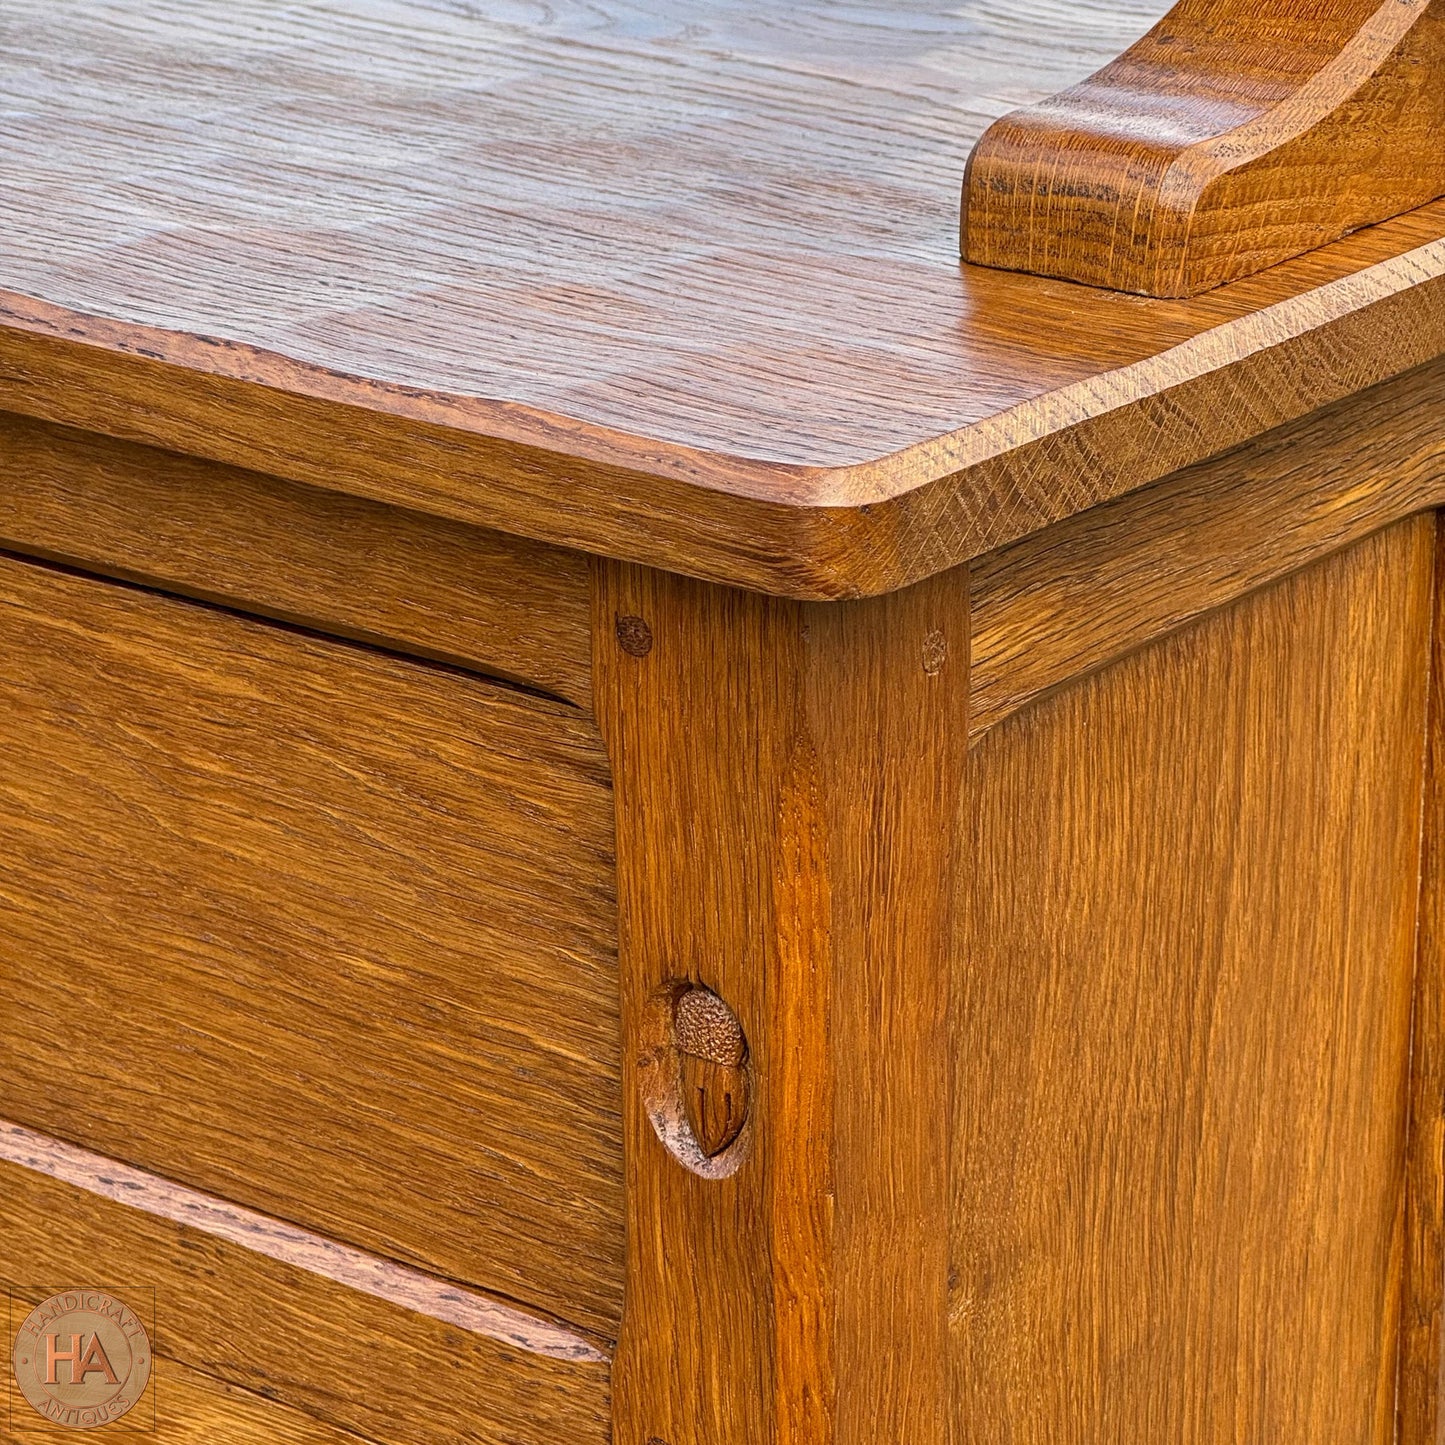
669,280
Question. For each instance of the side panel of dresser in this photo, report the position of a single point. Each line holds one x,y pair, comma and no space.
315,929
1058,605
1421,1405
1182,1022
1181,999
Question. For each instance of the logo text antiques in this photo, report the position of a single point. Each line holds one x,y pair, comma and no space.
82,1359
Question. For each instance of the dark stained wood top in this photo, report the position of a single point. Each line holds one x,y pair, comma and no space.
674,281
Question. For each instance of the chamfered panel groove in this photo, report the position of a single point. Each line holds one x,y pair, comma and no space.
1181,1027
147,587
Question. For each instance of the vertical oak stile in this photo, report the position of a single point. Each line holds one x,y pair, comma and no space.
1420,1419
787,780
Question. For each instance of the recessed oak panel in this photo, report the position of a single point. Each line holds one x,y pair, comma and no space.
312,928
1181,1026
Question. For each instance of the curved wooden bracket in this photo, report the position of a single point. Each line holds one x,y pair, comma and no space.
1236,134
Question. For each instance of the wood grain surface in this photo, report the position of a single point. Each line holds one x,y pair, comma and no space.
1058,605
197,1409
333,933
1231,137
448,257
251,1346
317,1254
419,584
1421,1398
787,784
1182,1028
190,1408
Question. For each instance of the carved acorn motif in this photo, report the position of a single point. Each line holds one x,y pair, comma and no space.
713,1055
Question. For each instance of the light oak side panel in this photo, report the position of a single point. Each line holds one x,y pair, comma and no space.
1068,600
1181,1026
316,929
788,779
340,564
257,1349
1422,1367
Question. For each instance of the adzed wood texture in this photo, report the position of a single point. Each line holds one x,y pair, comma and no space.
1181,1030
674,283
1233,136
197,1409
787,779
333,932
696,1041
291,1244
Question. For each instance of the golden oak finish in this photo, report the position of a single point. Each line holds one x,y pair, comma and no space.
787,777
234,1317
1181,1028
332,932
1230,138
740,1015
196,1409
416,255
339,564
291,1244
1080,396
1422,1366
1051,609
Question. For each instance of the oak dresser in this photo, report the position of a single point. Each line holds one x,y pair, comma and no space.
638,806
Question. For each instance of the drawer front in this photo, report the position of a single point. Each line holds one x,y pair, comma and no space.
342,565
315,929
252,1347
